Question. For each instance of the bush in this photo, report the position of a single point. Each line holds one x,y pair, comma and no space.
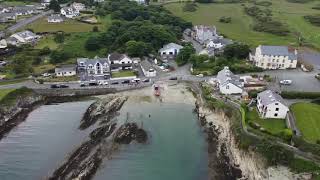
224,19
300,95
12,97
286,134
313,19
263,3
189,7
95,29
299,1
205,1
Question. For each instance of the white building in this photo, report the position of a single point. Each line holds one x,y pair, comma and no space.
94,67
69,12
119,62
45,2
274,57
78,6
203,33
55,18
7,17
65,71
3,44
147,69
170,49
23,37
139,1
271,105
228,82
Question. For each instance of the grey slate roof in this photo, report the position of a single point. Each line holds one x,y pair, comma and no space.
268,97
26,34
66,68
54,17
116,56
88,61
226,76
171,45
278,51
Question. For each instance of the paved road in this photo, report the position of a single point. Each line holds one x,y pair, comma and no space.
198,47
25,22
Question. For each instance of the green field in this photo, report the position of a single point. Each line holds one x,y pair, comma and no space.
308,120
274,126
123,74
69,25
47,41
4,92
240,27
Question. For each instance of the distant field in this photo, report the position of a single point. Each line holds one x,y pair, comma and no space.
69,25
240,27
308,121
15,3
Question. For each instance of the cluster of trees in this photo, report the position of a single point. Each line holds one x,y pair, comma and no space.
264,21
263,3
185,55
135,26
189,7
205,1
224,19
54,5
313,19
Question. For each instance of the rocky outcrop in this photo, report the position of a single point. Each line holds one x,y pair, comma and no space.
104,140
103,109
129,132
16,112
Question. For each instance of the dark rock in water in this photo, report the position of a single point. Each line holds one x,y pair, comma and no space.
129,132
103,109
103,131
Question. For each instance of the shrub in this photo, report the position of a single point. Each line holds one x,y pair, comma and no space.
224,19
263,3
95,29
300,95
299,1
313,19
189,7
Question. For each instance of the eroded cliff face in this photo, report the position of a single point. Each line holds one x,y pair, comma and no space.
104,139
14,113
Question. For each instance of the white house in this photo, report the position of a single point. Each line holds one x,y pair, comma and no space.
94,67
274,57
69,12
218,43
55,18
170,49
228,82
78,6
23,37
65,71
271,105
119,62
4,9
45,2
24,10
147,69
7,17
3,44
203,33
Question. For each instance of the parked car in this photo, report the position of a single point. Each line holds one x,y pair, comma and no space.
82,84
115,82
46,75
126,82
93,83
146,80
136,80
286,82
317,76
173,78
56,86
199,75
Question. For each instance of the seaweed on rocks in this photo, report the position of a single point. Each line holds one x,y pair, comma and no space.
129,132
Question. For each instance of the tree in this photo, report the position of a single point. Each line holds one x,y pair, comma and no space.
58,57
204,1
92,43
286,134
59,37
44,51
137,48
21,66
55,6
236,50
95,29
184,55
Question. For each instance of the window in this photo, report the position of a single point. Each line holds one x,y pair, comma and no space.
276,115
283,61
227,87
277,109
261,64
277,103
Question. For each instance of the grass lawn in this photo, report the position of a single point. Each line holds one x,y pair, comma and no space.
68,26
60,79
4,92
123,74
47,41
308,120
240,27
16,3
274,126
42,68
14,81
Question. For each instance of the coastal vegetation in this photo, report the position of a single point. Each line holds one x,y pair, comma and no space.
307,119
241,26
12,95
4,92
300,95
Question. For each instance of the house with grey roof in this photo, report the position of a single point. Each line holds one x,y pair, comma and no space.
24,10
94,67
119,62
170,49
271,105
67,70
55,18
228,82
23,37
274,57
147,69
69,12
7,17
202,33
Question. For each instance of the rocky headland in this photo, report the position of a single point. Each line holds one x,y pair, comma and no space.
104,139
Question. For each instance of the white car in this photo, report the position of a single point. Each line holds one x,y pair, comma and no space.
46,75
286,82
199,75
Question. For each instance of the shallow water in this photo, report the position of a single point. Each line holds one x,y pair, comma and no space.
38,145
176,148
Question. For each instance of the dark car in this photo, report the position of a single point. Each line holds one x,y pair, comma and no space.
115,83
126,82
173,78
54,86
82,85
146,80
93,84
63,86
